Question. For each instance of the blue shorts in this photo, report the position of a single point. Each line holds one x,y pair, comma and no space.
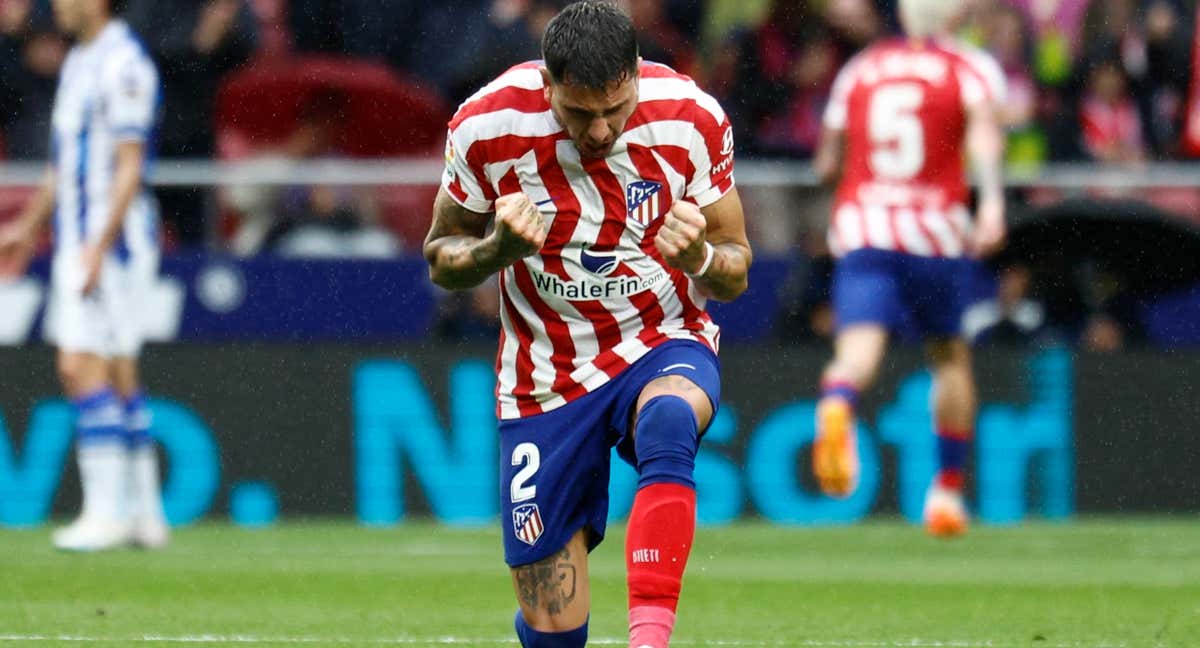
554,467
893,289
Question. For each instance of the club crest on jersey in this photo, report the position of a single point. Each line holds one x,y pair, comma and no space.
641,199
527,523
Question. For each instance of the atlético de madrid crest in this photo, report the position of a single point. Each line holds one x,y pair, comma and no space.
641,199
527,523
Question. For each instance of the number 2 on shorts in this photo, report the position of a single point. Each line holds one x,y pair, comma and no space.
528,454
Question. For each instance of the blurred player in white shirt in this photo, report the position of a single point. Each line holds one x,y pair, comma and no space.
105,258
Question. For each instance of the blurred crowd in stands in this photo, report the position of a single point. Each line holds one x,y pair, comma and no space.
1089,80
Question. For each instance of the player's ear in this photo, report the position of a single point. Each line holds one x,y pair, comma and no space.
547,83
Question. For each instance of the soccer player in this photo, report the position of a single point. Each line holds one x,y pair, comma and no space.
105,258
608,185
895,127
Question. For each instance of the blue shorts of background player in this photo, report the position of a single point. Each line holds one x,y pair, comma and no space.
898,290
556,465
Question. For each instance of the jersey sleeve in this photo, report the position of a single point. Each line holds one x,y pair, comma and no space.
465,183
713,174
130,88
837,110
982,80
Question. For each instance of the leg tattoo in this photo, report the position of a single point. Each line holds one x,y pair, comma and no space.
548,584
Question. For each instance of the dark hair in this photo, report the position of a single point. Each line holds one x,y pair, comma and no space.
590,44
116,7
1104,52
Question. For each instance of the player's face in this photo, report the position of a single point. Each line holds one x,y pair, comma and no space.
69,15
593,118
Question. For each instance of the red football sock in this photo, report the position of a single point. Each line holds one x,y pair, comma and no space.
661,528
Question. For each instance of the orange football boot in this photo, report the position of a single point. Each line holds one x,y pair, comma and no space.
835,450
945,514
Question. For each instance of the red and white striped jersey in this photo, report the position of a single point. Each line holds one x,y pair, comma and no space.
599,295
903,106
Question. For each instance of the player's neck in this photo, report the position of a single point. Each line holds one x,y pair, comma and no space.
93,28
926,41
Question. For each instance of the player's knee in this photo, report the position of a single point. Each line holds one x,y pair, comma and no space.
68,371
860,375
556,638
956,377
665,442
949,354
77,376
125,377
842,372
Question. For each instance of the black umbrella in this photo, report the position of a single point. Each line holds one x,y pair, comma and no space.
1147,251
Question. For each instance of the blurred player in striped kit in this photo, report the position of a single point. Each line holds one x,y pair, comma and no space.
105,259
898,117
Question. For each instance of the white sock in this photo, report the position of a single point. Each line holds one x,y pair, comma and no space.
103,474
145,494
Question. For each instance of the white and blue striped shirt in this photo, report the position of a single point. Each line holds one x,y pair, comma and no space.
108,93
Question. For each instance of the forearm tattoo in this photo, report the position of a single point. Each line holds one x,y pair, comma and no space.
548,584
726,279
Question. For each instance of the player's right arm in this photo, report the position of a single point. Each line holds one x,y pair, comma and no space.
827,162
460,252
18,237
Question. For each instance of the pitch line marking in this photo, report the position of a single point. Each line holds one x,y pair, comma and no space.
455,641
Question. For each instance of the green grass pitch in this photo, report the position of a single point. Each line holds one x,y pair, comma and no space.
1106,583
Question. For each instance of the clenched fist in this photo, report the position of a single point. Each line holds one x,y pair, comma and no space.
681,238
520,229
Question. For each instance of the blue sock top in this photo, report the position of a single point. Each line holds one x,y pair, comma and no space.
531,638
100,417
99,398
952,452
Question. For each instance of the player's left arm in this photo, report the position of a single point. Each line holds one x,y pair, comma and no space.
127,181
709,244
831,148
129,86
704,233
985,146
985,141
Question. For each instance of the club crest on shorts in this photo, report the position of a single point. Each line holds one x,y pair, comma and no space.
641,200
527,523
